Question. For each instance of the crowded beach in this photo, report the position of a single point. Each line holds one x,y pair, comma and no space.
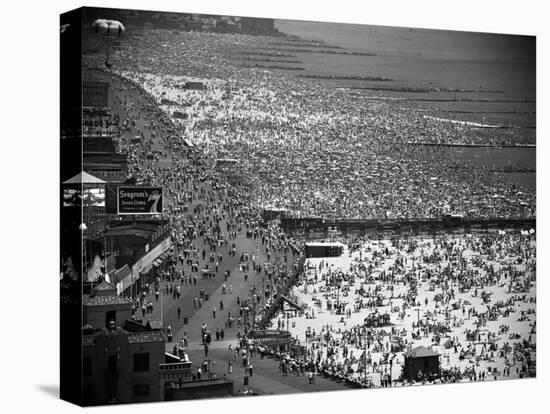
313,151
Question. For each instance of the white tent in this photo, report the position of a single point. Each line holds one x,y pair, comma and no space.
84,178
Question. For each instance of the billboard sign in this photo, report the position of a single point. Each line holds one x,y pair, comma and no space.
95,94
139,200
109,175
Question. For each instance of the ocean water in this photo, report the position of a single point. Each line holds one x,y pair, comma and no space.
517,158
423,58
522,158
528,180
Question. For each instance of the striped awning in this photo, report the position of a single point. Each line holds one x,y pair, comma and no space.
161,258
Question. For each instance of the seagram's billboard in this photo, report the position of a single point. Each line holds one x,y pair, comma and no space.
139,200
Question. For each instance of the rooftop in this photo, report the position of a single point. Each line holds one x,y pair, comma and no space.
83,178
104,287
105,300
133,338
120,274
420,352
142,337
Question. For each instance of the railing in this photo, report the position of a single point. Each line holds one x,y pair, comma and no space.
320,225
175,366
277,302
88,340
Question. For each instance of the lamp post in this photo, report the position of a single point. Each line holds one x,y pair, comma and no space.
82,227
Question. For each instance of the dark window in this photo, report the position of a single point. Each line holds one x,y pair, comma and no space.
109,316
141,362
112,363
87,366
141,390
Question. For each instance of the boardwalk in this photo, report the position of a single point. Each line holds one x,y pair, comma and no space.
266,379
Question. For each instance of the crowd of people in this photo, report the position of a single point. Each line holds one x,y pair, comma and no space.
312,150
471,298
207,215
320,152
